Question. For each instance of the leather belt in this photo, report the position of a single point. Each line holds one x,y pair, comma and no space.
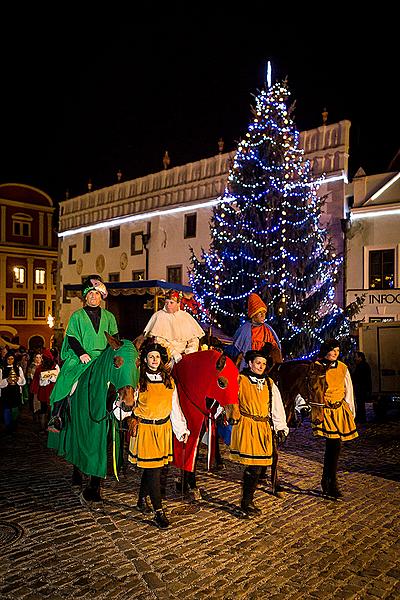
153,421
256,417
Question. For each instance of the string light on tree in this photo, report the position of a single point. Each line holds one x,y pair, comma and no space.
267,237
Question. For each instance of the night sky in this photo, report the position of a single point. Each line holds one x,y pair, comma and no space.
89,94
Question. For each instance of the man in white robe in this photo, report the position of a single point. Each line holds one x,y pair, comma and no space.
175,329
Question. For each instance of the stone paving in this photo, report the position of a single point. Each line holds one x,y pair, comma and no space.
302,546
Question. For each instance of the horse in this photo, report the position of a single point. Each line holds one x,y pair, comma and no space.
205,380
300,378
83,439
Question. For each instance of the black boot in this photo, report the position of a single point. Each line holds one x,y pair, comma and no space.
91,497
160,519
329,477
250,480
144,505
77,479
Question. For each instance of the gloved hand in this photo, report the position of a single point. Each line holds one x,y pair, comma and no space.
281,435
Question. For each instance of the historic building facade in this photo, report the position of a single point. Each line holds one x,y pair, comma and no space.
144,228
373,245
28,266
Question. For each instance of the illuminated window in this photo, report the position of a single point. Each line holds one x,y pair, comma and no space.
381,269
19,275
137,275
40,276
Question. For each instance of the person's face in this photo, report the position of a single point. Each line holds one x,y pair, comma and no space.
259,317
258,365
332,354
153,360
10,360
37,359
357,358
171,306
93,298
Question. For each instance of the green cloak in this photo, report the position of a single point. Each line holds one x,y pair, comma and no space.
80,327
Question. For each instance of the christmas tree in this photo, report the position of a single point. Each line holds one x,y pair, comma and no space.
267,238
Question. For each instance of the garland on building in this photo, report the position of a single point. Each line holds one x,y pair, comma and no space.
267,238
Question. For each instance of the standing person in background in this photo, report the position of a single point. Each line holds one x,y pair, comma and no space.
332,414
255,333
11,381
43,383
34,404
24,364
362,382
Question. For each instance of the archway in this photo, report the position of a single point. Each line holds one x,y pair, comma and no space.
36,342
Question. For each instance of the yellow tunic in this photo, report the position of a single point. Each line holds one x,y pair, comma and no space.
338,420
152,446
251,441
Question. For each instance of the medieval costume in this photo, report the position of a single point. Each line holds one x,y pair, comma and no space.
43,382
255,333
175,329
158,414
11,381
261,409
84,336
332,413
84,342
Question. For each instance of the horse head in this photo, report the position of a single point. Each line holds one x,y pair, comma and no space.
123,373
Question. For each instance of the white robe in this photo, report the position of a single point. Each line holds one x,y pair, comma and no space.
179,332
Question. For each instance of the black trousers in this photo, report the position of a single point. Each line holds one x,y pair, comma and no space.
331,458
251,475
150,485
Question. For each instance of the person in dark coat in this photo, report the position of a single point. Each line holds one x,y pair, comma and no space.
362,383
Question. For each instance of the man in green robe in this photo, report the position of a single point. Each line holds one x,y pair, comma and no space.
84,339
83,343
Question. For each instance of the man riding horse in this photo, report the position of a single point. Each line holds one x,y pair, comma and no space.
84,342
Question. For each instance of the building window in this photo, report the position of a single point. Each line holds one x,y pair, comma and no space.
381,319
137,243
71,255
53,307
40,309
87,239
174,274
19,308
113,277
21,225
137,275
40,276
190,226
381,269
114,237
19,275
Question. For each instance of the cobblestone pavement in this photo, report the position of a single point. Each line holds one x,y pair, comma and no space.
302,546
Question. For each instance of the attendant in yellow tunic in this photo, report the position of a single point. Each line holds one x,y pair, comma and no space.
332,416
159,414
261,409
